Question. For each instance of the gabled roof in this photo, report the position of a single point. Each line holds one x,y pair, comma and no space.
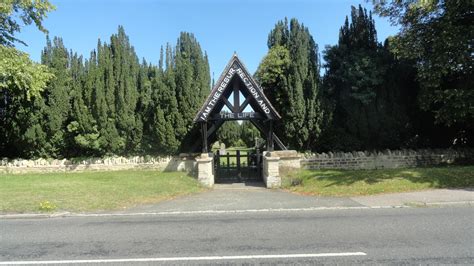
235,69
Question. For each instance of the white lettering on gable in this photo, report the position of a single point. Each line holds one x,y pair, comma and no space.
217,94
252,90
225,81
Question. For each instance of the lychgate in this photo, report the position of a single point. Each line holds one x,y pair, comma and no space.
236,81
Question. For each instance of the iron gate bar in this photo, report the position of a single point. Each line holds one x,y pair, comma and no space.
238,170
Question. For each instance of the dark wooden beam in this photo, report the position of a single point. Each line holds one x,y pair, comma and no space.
279,143
261,127
244,104
204,136
237,116
270,136
236,96
214,127
227,103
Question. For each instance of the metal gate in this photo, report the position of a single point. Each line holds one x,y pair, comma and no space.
238,166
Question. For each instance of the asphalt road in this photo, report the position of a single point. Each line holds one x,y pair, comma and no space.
406,235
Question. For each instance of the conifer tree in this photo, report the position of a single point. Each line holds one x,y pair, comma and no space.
192,76
248,134
229,133
56,96
367,107
82,129
125,81
289,75
104,102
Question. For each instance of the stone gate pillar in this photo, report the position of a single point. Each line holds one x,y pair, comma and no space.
205,169
271,172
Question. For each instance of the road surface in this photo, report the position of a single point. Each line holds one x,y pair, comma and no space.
397,235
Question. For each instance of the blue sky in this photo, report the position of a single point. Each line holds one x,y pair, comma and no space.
221,26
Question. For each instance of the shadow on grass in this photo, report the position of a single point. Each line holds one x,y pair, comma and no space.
435,177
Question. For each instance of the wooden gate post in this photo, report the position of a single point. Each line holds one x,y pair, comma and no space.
204,136
239,173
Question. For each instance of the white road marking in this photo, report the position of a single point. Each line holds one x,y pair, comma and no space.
68,214
204,258
231,211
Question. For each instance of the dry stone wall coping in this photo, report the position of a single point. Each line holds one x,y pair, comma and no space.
183,162
288,154
384,159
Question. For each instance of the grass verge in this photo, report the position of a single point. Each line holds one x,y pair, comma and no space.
91,191
370,182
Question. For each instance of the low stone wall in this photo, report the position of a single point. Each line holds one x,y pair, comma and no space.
183,162
385,159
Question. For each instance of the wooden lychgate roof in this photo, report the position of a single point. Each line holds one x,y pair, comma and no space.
235,78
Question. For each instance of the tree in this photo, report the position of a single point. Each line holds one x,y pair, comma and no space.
365,103
125,78
56,96
165,113
229,133
289,75
28,11
438,35
82,133
192,76
21,80
192,84
248,133
20,75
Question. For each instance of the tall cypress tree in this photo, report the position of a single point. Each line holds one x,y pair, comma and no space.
192,80
192,76
103,102
57,103
109,103
367,105
289,75
144,101
82,132
125,78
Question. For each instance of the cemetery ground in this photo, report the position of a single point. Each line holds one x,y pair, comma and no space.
120,190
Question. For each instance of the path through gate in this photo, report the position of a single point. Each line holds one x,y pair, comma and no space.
238,166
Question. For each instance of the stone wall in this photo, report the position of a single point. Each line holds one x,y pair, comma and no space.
385,159
183,162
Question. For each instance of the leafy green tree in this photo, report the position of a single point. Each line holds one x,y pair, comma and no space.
27,11
438,35
289,75
20,75
21,81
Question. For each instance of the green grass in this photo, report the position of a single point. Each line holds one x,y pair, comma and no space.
91,191
370,182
